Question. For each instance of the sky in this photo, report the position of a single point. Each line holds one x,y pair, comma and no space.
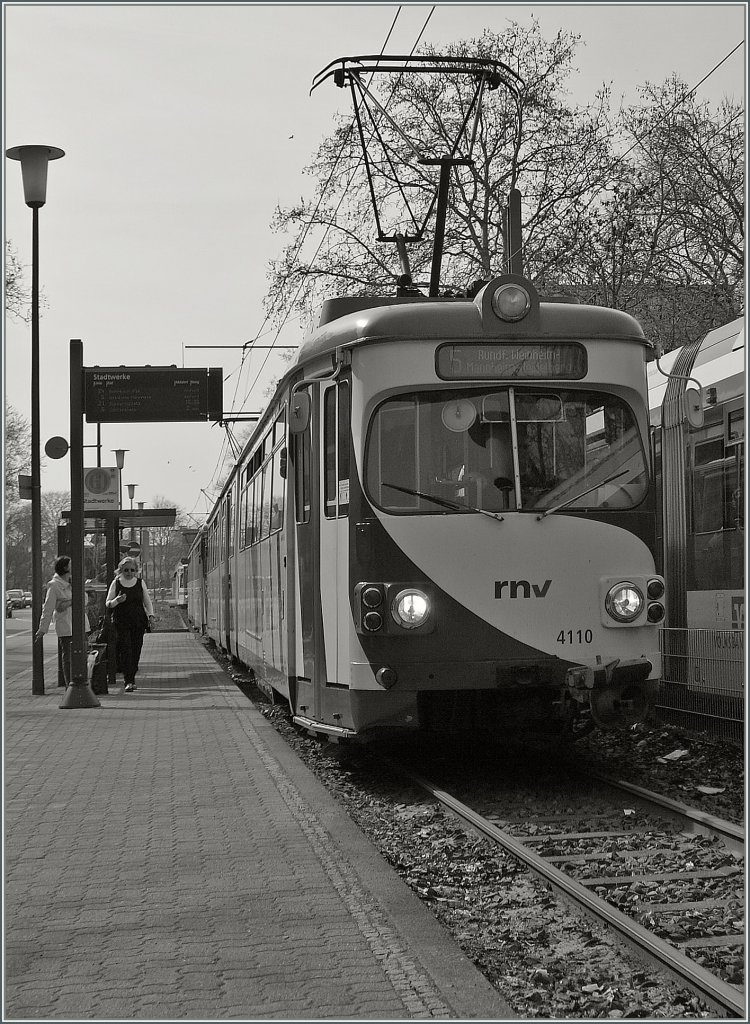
184,126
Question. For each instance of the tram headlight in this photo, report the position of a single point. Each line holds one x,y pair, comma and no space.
655,612
372,597
372,621
624,602
410,608
511,302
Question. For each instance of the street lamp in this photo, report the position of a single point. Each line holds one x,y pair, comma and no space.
119,454
131,494
34,161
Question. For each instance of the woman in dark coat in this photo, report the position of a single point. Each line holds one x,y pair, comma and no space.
132,613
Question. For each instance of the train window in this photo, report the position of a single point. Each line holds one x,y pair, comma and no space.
496,408
735,425
575,448
279,426
277,494
532,407
230,521
329,448
257,495
242,528
717,487
342,441
265,519
302,477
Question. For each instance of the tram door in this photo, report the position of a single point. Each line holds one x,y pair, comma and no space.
227,565
334,528
321,511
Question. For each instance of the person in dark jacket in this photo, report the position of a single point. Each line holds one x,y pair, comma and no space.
132,614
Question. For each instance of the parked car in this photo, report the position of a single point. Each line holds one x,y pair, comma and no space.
16,597
27,599
8,607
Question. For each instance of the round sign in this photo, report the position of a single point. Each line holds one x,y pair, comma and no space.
56,448
97,480
459,414
134,549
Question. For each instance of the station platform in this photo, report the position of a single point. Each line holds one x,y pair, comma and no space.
169,857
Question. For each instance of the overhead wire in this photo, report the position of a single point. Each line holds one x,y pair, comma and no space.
346,187
299,244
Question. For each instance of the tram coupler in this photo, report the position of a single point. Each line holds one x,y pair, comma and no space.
617,692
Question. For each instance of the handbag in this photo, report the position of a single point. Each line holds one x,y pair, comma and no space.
104,632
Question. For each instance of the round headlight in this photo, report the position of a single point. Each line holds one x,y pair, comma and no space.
511,302
371,597
624,602
372,621
655,612
411,608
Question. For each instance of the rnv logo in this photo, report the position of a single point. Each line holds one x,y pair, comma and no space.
521,588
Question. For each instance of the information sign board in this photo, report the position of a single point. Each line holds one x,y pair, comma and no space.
101,488
151,394
517,360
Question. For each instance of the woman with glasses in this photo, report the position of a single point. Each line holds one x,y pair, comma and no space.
132,614
57,609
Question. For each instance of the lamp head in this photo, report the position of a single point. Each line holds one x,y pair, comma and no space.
34,161
131,490
119,454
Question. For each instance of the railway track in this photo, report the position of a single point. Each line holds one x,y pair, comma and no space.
641,865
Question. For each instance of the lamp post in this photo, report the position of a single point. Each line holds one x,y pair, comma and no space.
119,454
131,494
34,161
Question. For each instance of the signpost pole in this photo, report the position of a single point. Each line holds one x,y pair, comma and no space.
79,694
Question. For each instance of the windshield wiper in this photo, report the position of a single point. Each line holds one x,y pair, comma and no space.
569,501
458,506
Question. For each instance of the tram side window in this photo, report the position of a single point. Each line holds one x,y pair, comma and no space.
329,446
230,521
257,493
343,442
277,493
302,477
718,487
265,521
708,487
242,525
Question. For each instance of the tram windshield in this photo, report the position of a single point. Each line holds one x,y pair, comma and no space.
499,449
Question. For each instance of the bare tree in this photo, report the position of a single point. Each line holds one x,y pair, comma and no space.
535,140
17,450
17,297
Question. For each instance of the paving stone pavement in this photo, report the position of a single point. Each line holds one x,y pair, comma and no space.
168,857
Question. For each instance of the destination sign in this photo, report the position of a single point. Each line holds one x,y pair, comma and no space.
151,394
511,360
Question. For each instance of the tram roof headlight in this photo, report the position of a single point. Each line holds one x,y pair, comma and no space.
624,602
410,608
511,302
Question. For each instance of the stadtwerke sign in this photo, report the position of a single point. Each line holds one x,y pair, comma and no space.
151,394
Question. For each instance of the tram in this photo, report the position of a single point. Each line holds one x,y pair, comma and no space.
446,518
701,479
180,585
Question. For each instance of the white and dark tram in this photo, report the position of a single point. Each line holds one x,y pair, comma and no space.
446,518
701,477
